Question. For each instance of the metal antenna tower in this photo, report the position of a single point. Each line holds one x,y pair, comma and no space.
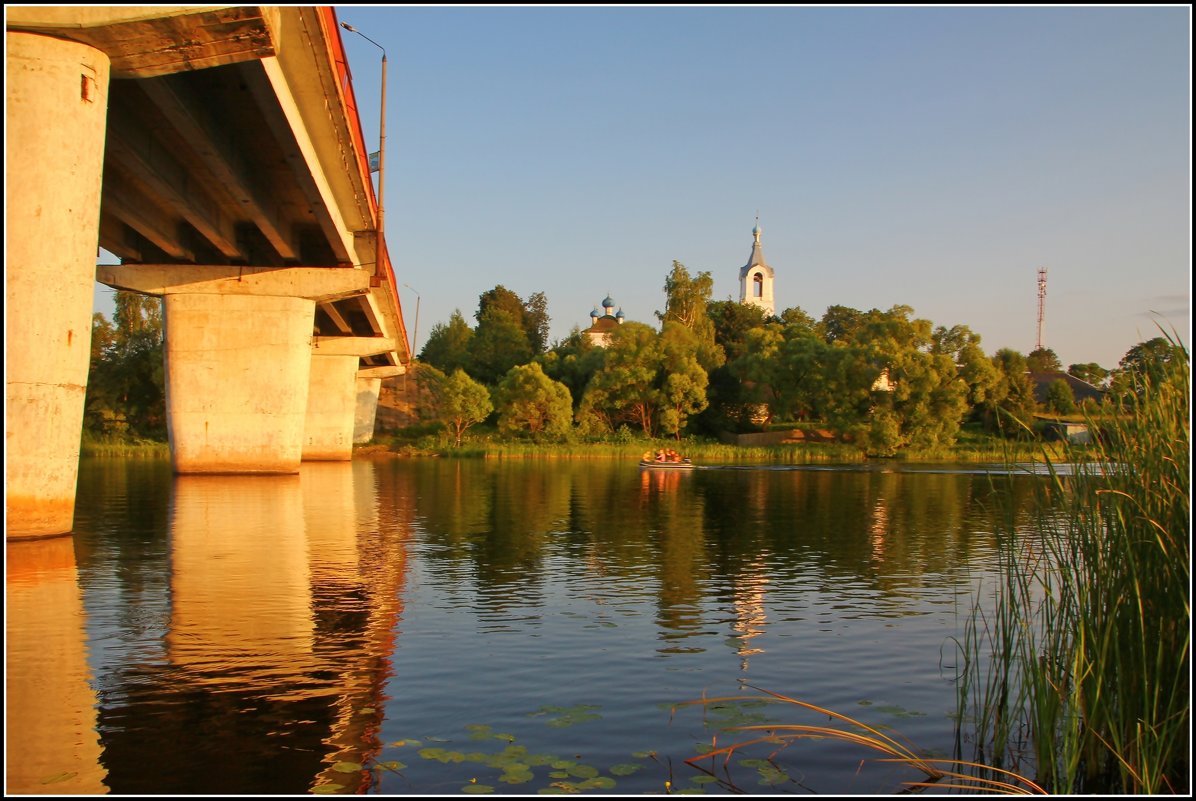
1042,275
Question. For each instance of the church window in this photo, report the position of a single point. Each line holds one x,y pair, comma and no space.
758,285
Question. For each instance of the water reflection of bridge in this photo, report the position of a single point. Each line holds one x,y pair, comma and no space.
284,597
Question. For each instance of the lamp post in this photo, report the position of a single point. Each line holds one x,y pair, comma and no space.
414,331
381,153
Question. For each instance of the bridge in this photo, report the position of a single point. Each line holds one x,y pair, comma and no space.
217,152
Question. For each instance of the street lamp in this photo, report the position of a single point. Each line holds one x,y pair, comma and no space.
414,331
381,152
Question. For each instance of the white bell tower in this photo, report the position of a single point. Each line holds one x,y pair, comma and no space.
756,277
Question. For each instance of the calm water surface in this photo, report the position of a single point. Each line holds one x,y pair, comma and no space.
441,626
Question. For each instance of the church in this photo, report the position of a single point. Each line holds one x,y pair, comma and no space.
756,277
755,288
602,323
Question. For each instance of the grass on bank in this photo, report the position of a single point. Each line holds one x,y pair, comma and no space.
483,442
115,446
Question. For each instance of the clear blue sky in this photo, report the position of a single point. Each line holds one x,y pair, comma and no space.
932,157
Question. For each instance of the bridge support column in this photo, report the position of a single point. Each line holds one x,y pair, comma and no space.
368,390
55,114
331,405
237,375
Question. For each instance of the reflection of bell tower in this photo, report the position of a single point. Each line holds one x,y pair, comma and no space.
755,278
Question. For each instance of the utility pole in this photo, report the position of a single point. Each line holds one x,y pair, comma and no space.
1042,278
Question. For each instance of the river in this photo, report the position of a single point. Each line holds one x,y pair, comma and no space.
438,626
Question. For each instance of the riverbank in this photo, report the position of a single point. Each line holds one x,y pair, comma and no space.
972,447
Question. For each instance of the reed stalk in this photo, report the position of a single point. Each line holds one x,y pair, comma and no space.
1079,671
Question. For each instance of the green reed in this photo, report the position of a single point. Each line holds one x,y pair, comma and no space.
93,445
1079,670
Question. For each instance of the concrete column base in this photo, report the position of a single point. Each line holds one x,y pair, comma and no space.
237,373
331,404
56,109
368,390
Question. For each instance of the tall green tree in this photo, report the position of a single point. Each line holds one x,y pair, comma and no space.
975,368
683,381
1011,406
733,321
839,324
1145,364
455,401
1091,372
536,321
1043,360
626,390
529,402
686,300
573,361
923,402
127,384
448,345
1059,397
532,314
500,342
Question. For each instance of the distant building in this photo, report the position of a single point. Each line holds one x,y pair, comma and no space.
756,277
1081,390
603,323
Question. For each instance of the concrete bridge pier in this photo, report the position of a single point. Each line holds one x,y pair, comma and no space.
237,375
366,413
369,388
55,115
331,405
335,405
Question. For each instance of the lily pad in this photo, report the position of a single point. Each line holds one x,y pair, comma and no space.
477,789
583,771
325,789
625,768
347,767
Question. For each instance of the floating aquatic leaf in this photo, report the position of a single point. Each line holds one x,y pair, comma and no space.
643,754
478,731
324,789
347,767
568,787
755,763
703,779
558,774
402,743
510,738
690,791
516,777
366,710
438,754
771,776
476,789
597,783
625,768
562,764
583,771
567,716
554,790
